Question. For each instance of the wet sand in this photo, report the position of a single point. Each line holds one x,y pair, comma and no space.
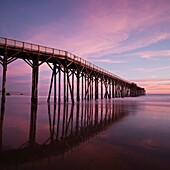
129,133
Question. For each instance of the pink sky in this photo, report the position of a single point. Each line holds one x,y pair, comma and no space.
127,37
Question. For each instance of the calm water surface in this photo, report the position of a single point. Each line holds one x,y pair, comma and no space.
129,133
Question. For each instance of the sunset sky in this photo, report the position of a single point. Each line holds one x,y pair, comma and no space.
130,38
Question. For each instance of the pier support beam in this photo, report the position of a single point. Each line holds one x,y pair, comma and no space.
73,84
59,85
78,86
70,87
101,88
85,83
64,79
82,85
4,77
49,94
115,85
109,90
91,89
35,69
113,90
53,76
96,89
55,84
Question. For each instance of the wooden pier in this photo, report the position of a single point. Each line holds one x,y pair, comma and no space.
72,76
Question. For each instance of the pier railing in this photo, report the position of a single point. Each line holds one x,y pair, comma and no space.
56,52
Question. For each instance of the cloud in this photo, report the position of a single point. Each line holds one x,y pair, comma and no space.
109,61
101,28
156,88
152,80
155,85
150,54
151,69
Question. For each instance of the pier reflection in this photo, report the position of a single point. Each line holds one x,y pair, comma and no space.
1,123
70,126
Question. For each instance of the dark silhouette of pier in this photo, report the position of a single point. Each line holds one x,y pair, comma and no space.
78,77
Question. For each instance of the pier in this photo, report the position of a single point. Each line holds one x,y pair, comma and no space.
73,77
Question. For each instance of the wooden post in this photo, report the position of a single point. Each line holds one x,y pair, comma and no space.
96,88
4,78
106,90
78,86
90,88
71,90
109,89
113,91
82,85
35,69
85,85
67,98
3,97
59,85
49,94
64,84
73,85
116,93
121,90
55,84
101,88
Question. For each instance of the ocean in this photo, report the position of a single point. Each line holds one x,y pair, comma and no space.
123,133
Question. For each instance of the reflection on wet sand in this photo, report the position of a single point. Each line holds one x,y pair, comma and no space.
70,126
1,123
